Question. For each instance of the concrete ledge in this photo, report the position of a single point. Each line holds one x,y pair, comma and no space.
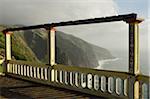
2,74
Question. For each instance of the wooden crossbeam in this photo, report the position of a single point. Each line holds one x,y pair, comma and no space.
125,18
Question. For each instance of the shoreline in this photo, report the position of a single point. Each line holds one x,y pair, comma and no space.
102,62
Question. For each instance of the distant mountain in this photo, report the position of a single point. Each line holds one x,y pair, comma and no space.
78,52
70,50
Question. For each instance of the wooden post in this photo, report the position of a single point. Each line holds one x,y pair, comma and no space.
7,49
8,45
134,65
51,46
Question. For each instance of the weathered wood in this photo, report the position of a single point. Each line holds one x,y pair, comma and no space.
51,46
134,66
78,22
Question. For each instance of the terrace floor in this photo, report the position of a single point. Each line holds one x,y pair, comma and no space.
19,89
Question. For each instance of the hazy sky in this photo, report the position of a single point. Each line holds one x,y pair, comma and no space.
31,12
44,11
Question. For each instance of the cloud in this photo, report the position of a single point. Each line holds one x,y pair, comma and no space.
47,11
113,36
44,11
31,12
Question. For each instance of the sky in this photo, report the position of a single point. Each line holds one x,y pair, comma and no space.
137,6
33,12
42,11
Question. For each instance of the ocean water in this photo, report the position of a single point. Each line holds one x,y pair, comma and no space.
120,63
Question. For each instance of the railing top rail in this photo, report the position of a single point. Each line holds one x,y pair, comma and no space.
19,62
83,69
143,78
73,70
107,73
125,17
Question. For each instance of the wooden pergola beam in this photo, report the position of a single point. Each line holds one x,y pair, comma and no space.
125,18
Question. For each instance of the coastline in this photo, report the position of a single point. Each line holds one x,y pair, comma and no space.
105,61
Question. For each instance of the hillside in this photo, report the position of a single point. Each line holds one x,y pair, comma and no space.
20,50
78,52
70,50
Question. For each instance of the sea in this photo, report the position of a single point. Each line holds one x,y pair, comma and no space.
120,63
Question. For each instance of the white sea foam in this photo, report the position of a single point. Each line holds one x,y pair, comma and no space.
106,61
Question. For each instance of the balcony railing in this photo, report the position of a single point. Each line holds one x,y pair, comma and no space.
91,81
130,85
